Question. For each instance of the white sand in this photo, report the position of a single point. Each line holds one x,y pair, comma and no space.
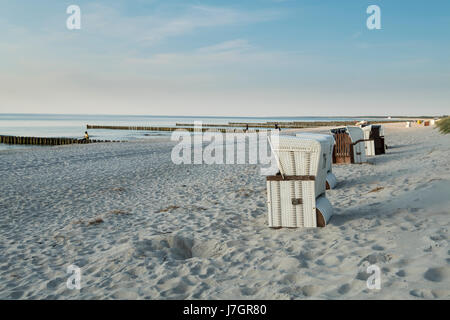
214,243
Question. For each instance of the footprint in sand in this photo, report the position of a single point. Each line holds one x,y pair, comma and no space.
421,293
55,283
438,274
430,294
246,291
401,273
15,295
375,258
310,290
345,288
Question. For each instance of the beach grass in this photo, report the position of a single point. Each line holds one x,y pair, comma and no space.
444,125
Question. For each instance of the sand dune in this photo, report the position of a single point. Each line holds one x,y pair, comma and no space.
141,227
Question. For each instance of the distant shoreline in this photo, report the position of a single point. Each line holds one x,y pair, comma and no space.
227,117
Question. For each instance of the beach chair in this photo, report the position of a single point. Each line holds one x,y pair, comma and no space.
374,140
408,124
296,196
349,146
330,181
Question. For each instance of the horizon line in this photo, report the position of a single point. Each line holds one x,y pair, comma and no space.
222,116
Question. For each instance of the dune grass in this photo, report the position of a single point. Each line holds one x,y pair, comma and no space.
444,125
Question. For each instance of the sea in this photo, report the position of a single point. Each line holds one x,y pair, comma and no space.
74,125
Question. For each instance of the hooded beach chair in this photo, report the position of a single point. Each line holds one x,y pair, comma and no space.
374,140
296,196
349,146
331,181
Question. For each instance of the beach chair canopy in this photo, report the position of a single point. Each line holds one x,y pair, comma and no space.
356,135
373,130
331,180
302,156
329,142
375,135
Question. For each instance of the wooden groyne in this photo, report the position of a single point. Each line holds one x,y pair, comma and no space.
285,125
169,129
43,141
234,126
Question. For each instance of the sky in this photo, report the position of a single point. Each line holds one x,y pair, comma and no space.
225,58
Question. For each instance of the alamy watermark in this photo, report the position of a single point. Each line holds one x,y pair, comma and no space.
73,22
374,20
374,280
74,280
209,146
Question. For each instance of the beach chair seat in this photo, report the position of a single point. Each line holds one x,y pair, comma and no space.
330,181
296,196
349,146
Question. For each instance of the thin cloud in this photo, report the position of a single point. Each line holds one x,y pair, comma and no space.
231,53
232,45
153,28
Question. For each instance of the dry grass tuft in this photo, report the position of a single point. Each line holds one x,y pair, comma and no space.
169,208
443,125
95,221
117,212
376,189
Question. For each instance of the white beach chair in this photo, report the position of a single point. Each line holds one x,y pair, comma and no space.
329,140
296,197
349,147
369,144
374,140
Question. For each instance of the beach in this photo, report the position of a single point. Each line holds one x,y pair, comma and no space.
141,227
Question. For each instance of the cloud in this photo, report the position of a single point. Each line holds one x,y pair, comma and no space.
232,56
154,27
109,35
232,45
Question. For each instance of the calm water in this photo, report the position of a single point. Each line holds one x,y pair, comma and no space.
73,126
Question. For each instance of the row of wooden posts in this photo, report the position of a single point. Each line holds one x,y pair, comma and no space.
189,129
270,125
283,124
46,141
230,127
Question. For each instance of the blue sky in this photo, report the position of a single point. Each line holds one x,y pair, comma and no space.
232,58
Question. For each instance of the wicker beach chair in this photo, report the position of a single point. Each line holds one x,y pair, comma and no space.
374,140
296,196
349,147
331,181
